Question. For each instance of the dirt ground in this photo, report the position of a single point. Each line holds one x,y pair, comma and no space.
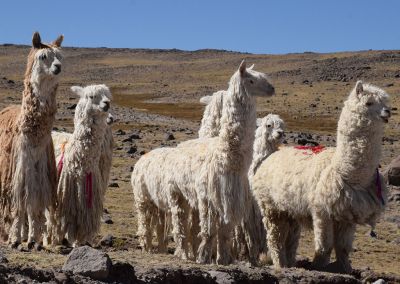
156,92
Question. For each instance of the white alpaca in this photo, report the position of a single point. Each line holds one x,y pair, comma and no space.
333,190
211,121
206,174
268,137
80,186
27,168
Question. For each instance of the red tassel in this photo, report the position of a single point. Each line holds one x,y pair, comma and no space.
314,149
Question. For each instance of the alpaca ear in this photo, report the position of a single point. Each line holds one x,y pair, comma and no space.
258,122
77,90
359,87
251,67
58,41
205,100
242,67
36,40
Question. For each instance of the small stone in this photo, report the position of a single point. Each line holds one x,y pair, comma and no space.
379,281
73,106
107,240
120,132
135,136
107,219
141,153
169,137
3,259
131,150
113,184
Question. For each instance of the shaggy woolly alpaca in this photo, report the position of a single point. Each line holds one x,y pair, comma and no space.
80,186
27,167
268,137
210,123
335,189
206,174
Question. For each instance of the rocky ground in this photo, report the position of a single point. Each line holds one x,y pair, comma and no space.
156,95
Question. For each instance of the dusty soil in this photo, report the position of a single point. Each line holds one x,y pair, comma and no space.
156,92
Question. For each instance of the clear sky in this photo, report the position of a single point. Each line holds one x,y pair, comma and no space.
255,26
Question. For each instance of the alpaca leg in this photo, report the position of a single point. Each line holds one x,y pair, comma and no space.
194,232
179,211
162,234
36,222
204,252
323,238
277,230
24,228
15,231
144,224
224,237
343,243
292,242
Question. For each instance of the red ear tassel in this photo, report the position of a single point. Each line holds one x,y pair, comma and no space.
61,162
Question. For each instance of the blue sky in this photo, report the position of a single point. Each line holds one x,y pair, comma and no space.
256,26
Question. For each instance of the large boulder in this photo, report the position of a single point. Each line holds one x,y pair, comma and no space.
88,262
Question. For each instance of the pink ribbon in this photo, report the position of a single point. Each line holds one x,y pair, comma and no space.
60,165
89,190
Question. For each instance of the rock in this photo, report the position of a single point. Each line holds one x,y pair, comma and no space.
141,153
127,140
221,277
61,277
88,262
388,85
169,137
107,219
113,184
379,281
132,150
107,240
73,106
135,136
3,259
120,132
392,172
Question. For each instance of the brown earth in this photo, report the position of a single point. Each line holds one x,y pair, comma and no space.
156,92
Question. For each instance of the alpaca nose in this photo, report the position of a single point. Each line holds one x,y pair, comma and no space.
106,106
57,68
387,111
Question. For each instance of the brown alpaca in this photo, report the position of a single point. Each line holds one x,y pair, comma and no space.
27,164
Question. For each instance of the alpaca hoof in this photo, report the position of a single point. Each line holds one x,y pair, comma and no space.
31,245
14,245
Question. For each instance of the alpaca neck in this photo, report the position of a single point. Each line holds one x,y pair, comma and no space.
358,149
87,139
38,107
262,149
238,124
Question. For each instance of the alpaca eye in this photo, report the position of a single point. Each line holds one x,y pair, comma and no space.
251,82
91,97
368,104
43,56
269,125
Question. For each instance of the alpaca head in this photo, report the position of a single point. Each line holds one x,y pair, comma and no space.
271,128
255,83
44,59
370,102
94,101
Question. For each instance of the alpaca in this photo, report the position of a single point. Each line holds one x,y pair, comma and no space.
210,123
80,187
268,137
205,174
27,165
333,190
